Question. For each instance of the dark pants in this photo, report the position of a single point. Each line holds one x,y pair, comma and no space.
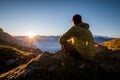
70,50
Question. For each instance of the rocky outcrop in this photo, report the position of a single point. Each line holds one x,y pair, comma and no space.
51,67
11,57
60,66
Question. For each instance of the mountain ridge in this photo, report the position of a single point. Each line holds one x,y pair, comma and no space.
7,39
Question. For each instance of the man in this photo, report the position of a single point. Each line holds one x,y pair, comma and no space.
78,41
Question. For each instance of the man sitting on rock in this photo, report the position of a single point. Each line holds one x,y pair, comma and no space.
78,41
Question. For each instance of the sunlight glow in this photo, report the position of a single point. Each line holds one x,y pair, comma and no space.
31,35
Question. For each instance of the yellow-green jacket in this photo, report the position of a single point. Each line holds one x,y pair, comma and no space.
82,40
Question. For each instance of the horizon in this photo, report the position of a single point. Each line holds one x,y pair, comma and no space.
27,35
60,35
53,18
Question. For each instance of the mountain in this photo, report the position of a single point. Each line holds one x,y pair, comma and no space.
7,39
100,39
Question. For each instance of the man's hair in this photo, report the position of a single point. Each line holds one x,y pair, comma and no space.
77,19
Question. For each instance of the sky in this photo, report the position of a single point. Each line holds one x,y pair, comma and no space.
53,17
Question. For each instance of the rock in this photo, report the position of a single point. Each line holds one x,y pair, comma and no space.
59,66
1,30
99,48
11,61
11,57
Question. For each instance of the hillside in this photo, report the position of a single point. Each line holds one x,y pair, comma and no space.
112,44
9,40
13,53
59,66
11,57
4,36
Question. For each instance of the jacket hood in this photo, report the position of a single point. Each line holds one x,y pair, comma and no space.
85,25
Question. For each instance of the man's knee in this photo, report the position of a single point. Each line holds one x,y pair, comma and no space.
67,46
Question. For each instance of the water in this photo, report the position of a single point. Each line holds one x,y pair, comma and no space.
48,46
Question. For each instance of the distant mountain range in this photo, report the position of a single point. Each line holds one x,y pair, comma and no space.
100,39
97,39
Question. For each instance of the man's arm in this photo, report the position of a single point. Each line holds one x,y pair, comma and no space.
63,39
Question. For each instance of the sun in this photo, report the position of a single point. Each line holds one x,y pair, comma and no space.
31,35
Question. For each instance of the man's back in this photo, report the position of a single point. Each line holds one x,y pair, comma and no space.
80,39
83,41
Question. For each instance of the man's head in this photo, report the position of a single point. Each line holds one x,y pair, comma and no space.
76,19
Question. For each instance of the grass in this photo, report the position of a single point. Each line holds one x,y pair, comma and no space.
113,44
18,70
8,54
